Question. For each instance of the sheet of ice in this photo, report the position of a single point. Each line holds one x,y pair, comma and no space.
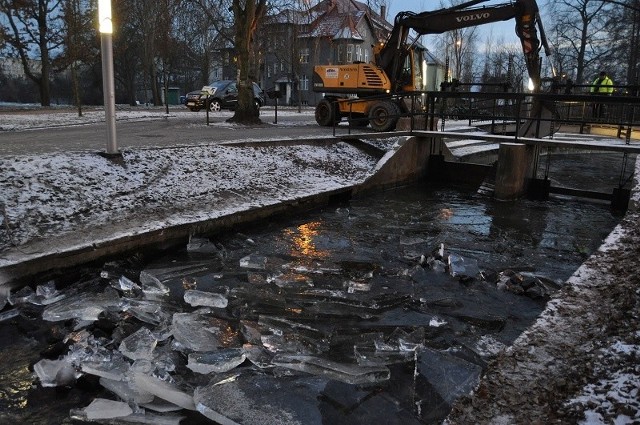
48,294
153,312
216,361
368,355
196,332
164,390
258,399
348,373
84,306
101,408
450,376
127,391
9,314
463,267
139,345
205,299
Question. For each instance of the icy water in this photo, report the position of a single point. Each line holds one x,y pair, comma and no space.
381,310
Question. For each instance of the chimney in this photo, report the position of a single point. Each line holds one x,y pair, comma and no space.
383,12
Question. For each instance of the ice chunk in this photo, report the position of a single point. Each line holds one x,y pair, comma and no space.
48,294
22,296
348,373
139,345
207,299
85,306
152,288
197,332
101,408
217,361
202,246
127,391
4,295
254,261
113,368
164,390
127,285
292,280
258,356
368,355
148,311
450,376
53,373
9,314
463,267
353,286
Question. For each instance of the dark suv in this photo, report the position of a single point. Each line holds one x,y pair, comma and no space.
219,95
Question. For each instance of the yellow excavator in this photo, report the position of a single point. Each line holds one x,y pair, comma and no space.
396,69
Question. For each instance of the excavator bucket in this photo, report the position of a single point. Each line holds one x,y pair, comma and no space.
540,121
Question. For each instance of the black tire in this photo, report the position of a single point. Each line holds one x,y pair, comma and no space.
383,116
326,113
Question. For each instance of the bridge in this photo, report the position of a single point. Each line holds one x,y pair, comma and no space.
475,134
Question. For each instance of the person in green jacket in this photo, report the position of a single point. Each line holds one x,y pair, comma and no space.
603,85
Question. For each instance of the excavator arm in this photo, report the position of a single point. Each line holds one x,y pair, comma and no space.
525,13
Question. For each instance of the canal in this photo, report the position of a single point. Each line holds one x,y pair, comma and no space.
378,309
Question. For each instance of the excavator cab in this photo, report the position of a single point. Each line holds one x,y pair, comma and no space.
398,66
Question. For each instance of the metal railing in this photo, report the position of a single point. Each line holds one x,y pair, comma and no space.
506,111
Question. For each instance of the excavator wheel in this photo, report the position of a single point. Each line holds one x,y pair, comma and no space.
383,116
326,113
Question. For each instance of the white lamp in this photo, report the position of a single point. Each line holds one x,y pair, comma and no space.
104,16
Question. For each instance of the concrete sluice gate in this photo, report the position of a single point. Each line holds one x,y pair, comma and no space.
382,308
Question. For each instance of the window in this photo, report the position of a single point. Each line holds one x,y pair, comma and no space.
349,53
268,71
339,59
366,55
359,53
304,55
304,83
281,65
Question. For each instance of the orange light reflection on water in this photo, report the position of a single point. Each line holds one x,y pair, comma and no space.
302,240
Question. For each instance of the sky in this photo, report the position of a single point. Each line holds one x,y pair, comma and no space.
503,29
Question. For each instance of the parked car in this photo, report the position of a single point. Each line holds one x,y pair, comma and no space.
220,95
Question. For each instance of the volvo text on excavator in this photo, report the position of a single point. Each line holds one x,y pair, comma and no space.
396,67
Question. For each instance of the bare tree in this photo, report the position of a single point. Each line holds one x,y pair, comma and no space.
79,41
244,18
581,36
33,27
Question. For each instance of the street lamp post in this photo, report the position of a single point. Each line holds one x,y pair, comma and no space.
108,86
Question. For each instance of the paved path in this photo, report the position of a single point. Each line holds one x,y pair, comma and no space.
180,128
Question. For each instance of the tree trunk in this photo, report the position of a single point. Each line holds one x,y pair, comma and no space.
245,23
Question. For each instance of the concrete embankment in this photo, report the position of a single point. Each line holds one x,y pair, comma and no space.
405,162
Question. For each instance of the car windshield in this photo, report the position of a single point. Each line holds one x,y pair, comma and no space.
219,84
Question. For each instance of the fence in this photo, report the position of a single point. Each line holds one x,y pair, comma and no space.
507,111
